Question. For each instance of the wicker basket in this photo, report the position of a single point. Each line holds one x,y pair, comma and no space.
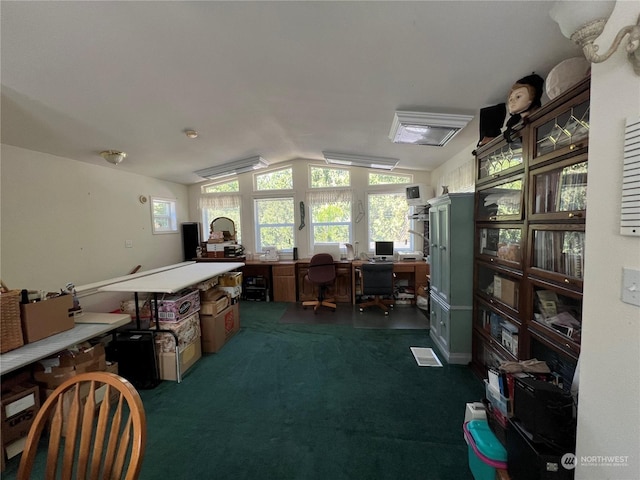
10,327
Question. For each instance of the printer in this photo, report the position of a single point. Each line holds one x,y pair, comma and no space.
410,256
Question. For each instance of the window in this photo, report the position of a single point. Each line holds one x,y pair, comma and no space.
324,177
330,205
221,200
163,215
330,212
275,180
388,179
274,223
388,220
224,187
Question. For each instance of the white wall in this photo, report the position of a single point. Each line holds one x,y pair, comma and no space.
609,399
67,221
458,173
359,178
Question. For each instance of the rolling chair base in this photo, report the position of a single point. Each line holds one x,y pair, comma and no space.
378,302
319,303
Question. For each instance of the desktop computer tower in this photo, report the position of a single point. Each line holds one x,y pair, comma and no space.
135,351
191,239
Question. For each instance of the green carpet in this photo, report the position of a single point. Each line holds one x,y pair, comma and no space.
306,401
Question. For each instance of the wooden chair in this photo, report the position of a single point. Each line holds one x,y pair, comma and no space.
377,280
322,272
97,430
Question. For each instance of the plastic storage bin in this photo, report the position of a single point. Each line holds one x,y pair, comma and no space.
486,453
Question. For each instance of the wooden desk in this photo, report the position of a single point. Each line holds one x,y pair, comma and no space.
89,325
414,272
340,290
287,278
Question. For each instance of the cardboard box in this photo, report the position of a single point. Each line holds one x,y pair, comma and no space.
188,356
173,308
233,292
112,367
45,318
218,329
19,408
217,303
53,371
505,290
230,279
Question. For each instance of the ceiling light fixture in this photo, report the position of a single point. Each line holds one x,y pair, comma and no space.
191,133
345,159
583,22
233,168
113,156
422,128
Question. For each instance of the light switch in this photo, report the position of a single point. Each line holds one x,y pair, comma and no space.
631,286
128,244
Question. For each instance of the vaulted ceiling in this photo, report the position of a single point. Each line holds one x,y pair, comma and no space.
284,80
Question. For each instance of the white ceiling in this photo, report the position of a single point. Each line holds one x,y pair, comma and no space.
283,80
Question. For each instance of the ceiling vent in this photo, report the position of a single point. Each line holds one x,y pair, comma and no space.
348,160
421,128
233,168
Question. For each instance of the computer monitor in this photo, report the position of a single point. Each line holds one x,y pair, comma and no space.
383,250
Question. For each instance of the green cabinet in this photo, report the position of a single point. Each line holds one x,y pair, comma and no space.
451,251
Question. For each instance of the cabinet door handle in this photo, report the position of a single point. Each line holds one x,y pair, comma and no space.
442,324
493,217
576,215
566,280
443,247
573,146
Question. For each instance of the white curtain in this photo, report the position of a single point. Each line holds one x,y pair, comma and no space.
315,197
219,201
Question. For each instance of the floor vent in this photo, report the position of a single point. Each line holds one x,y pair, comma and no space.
425,357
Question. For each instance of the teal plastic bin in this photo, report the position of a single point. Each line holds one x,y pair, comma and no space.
486,453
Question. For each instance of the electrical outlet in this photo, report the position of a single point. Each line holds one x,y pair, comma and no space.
128,244
631,286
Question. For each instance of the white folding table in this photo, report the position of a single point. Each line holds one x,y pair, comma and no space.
89,325
171,280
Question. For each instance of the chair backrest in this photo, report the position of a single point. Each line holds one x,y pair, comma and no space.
377,278
96,425
321,268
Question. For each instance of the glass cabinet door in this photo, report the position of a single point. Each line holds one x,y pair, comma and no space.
502,330
501,244
503,160
558,313
560,191
498,287
558,253
564,132
502,201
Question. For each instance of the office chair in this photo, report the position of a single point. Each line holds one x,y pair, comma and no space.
102,419
377,280
322,272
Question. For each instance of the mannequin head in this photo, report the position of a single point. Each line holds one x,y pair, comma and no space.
520,98
524,98
525,95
